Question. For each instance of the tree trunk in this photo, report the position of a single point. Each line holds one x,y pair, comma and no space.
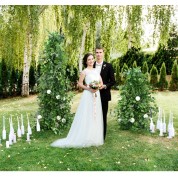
83,46
25,78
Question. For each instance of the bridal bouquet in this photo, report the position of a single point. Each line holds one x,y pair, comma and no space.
95,85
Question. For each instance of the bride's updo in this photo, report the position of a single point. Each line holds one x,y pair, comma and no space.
85,59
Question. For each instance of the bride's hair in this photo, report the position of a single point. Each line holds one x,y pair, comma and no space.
85,59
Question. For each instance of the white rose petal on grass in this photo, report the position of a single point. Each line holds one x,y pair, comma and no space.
132,120
49,92
137,98
58,97
145,116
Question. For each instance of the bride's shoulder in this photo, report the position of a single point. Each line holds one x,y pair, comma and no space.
84,72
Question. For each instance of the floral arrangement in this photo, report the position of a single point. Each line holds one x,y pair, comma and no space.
95,85
136,102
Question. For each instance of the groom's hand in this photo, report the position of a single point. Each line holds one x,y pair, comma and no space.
103,87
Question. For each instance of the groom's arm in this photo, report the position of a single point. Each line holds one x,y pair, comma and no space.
111,77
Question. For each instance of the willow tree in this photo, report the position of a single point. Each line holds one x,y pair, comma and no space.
160,17
20,27
134,29
79,23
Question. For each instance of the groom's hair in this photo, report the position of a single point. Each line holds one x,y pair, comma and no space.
85,59
99,47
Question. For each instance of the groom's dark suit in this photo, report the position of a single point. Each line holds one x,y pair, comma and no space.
107,75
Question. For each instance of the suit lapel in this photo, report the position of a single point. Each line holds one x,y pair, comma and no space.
102,68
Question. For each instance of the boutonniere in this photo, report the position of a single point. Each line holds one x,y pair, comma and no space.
104,66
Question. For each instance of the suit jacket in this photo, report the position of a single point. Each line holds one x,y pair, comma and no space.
107,75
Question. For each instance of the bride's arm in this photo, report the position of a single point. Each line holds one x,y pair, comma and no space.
101,83
80,82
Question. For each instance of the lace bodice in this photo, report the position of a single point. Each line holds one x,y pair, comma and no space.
91,75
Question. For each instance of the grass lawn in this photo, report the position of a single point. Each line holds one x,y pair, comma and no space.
122,151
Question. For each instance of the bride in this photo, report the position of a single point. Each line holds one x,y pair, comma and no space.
87,127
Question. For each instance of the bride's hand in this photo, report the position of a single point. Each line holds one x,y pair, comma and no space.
92,90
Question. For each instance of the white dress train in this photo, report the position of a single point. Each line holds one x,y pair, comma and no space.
87,127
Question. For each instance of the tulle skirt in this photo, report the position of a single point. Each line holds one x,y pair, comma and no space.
87,127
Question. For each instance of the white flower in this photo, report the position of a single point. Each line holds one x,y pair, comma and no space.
145,116
58,118
137,98
58,97
63,120
132,120
48,91
119,120
39,117
120,98
64,98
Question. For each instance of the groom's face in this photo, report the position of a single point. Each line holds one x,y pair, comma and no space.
99,54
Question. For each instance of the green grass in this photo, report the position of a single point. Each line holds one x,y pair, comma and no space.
122,150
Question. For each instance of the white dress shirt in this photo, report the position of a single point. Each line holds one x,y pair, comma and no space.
99,66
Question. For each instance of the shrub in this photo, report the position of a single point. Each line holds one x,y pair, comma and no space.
54,96
136,102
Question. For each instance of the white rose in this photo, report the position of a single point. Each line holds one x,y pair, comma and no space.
137,98
39,117
63,120
58,118
48,91
64,99
119,120
145,116
132,120
58,97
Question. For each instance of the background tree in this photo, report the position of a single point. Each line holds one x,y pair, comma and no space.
162,84
154,77
174,77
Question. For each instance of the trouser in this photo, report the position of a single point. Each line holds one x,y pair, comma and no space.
105,111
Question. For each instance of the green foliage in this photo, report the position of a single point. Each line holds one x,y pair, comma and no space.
136,102
4,78
162,84
163,55
154,77
32,77
13,82
135,64
133,54
123,73
145,67
174,77
1,88
54,85
19,83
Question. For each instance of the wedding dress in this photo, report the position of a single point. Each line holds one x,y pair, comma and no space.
87,127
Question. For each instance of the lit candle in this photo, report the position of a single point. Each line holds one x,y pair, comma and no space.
29,128
14,138
7,144
4,130
10,139
28,137
18,130
22,126
164,123
38,126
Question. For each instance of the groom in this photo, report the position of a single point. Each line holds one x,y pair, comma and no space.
107,74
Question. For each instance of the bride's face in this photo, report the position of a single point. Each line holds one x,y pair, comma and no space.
90,60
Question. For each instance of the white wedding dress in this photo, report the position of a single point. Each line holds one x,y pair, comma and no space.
87,127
